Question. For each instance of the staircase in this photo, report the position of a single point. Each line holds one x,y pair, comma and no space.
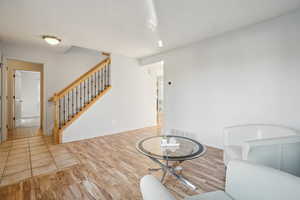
79,96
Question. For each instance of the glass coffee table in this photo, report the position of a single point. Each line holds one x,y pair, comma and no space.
165,149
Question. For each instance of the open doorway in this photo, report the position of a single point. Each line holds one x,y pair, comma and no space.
25,99
156,70
160,100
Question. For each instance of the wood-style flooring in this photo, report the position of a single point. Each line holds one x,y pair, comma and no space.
110,168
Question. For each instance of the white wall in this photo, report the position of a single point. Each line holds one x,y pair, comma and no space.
60,69
245,76
130,104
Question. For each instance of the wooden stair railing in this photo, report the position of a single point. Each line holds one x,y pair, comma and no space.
76,98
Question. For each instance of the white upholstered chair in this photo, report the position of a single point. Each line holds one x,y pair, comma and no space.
271,145
244,181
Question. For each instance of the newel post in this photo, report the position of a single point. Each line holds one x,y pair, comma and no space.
56,134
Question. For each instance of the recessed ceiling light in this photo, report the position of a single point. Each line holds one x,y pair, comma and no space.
52,40
160,43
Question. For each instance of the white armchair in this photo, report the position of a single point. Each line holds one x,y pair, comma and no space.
271,145
244,181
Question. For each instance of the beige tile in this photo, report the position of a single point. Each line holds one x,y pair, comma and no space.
44,169
6,144
5,147
66,163
20,140
18,161
1,172
39,151
12,169
65,156
18,156
61,155
41,162
59,152
36,144
21,143
14,178
17,146
36,138
9,142
14,152
41,156
57,148
3,156
2,166
39,147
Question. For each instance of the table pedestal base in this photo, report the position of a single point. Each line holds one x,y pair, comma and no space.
166,168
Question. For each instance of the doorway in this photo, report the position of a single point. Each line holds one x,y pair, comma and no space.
156,70
25,103
27,99
160,100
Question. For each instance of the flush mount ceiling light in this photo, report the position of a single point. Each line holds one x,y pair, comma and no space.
160,43
52,40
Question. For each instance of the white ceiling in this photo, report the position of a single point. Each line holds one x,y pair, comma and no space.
131,27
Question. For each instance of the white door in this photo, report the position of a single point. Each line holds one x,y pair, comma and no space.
27,98
18,98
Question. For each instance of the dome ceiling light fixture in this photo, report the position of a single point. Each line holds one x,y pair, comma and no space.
52,40
160,43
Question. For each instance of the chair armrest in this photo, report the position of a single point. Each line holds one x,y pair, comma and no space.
273,141
152,189
236,135
250,145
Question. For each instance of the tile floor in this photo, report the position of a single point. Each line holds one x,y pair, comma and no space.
33,156
19,133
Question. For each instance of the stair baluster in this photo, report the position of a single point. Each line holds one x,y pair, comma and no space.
95,85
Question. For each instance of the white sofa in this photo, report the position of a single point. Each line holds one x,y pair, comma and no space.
271,145
244,181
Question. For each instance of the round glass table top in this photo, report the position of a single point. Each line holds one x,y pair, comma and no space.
171,147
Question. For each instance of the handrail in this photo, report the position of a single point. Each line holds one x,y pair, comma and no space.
80,79
72,101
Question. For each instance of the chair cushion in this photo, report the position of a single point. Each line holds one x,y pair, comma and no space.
248,181
217,195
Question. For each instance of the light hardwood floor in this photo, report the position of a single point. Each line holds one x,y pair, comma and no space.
110,168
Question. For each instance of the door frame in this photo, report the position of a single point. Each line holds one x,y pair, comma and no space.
159,113
2,100
14,65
